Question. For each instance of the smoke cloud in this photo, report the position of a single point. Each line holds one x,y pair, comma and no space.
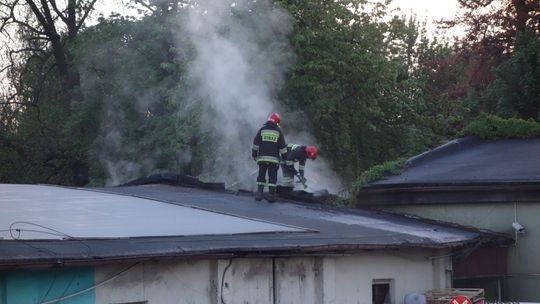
242,57
237,54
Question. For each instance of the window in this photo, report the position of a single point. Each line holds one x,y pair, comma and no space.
382,290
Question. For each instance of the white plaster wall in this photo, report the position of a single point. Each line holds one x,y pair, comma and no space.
523,258
410,272
168,281
299,280
127,287
246,281
314,280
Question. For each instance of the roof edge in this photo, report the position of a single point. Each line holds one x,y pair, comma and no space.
274,251
457,185
432,194
451,146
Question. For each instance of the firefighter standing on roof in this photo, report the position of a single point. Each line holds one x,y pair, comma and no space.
268,149
296,153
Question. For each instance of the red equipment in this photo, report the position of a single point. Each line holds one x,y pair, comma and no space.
312,152
275,118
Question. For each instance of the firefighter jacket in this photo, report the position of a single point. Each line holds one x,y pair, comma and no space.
296,153
269,144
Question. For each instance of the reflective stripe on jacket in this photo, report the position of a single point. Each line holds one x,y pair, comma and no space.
269,144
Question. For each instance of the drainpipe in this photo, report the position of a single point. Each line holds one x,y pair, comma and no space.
499,291
274,280
515,221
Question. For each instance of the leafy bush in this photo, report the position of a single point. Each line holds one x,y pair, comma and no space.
375,173
493,127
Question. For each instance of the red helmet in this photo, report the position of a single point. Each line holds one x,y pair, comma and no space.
275,118
311,152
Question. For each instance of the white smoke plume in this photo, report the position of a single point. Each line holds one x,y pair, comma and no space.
242,53
239,67
240,64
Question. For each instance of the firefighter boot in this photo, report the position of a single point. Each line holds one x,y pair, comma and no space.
272,196
288,181
259,193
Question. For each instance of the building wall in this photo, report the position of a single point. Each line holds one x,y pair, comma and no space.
317,280
409,273
343,279
299,280
523,278
37,286
190,281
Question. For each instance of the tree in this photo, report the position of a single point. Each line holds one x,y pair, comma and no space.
44,84
45,27
516,91
494,25
492,29
133,80
357,81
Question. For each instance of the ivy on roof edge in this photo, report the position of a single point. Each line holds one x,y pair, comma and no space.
488,126
376,173
485,126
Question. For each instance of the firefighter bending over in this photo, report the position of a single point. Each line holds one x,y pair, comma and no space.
268,149
296,153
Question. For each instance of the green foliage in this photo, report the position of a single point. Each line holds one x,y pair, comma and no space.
131,72
493,127
500,57
516,91
376,173
37,146
368,86
361,83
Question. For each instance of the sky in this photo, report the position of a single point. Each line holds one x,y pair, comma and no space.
432,9
429,10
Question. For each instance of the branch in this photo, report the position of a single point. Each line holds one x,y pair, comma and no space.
86,13
6,67
474,4
21,103
11,18
28,26
26,50
146,5
6,19
39,15
57,11
38,38
48,16
71,21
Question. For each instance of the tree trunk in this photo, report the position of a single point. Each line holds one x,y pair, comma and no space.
522,15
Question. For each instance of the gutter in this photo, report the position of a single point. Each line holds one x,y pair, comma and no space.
449,193
292,251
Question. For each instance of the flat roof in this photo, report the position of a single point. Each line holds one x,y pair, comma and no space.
51,212
472,160
465,170
201,223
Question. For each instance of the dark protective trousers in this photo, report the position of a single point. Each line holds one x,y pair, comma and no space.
272,170
288,176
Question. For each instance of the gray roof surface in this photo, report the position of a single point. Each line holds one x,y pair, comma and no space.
288,227
472,161
92,214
